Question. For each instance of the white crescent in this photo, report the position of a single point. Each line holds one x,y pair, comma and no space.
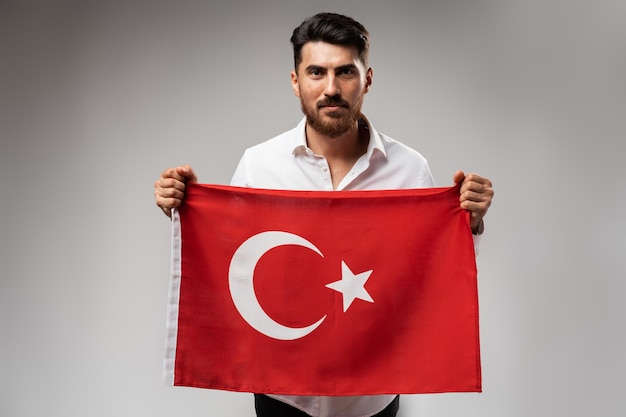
240,280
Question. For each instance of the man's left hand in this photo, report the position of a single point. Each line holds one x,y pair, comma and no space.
476,196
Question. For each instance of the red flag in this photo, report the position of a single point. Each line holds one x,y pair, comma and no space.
323,293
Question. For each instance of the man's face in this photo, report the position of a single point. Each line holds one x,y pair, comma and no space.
331,82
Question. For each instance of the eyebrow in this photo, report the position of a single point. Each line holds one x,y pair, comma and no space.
339,68
346,67
314,67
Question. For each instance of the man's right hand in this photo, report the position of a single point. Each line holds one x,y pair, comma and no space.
169,189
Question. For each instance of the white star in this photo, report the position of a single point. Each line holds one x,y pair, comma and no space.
351,286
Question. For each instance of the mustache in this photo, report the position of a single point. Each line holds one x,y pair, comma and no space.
333,101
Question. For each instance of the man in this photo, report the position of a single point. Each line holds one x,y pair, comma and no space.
334,147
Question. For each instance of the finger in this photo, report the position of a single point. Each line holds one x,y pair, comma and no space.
472,196
476,208
165,183
187,173
477,184
471,188
476,201
168,203
170,192
170,173
477,211
174,173
478,179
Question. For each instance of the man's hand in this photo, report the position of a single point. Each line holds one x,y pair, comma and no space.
169,189
476,196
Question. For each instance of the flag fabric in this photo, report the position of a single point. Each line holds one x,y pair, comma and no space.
323,293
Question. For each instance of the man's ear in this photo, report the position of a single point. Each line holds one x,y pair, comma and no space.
295,86
368,79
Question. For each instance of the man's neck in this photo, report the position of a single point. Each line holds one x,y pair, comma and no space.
348,146
341,152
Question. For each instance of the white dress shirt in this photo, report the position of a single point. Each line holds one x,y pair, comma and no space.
286,162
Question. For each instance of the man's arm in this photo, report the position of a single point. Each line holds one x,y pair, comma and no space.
169,189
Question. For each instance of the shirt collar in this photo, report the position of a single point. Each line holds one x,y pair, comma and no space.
298,138
375,145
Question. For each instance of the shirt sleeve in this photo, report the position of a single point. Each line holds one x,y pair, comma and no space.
476,243
427,179
241,177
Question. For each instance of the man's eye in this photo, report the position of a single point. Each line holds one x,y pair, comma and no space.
346,72
315,72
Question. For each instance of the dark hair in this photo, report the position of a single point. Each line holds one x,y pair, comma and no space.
330,28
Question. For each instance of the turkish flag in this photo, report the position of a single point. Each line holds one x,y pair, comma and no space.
323,293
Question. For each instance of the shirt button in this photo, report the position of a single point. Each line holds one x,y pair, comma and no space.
324,169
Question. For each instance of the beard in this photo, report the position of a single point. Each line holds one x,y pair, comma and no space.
332,124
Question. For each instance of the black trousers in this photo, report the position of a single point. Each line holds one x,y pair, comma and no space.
269,407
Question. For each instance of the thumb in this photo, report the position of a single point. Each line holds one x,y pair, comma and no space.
458,177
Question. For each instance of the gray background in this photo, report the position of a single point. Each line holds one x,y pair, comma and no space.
97,98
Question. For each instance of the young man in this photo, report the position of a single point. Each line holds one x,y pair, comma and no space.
334,147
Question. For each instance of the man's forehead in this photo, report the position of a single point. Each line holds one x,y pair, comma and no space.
325,54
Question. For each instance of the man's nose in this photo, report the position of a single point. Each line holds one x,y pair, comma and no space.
332,88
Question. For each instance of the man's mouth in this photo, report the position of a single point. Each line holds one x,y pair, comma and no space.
333,104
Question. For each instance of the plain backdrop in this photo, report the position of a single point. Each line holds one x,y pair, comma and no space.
98,97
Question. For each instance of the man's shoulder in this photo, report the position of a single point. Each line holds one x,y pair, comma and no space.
394,148
407,167
391,147
284,142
